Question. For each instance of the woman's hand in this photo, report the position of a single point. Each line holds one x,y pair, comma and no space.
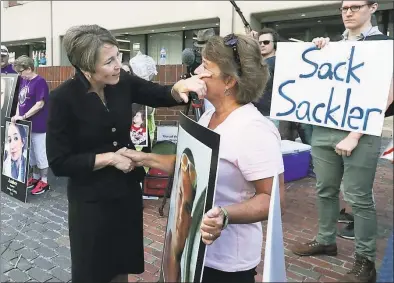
121,162
181,89
16,118
137,157
212,225
320,42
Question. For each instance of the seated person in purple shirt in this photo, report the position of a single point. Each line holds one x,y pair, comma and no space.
6,68
33,106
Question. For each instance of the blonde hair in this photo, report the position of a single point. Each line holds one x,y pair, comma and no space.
251,73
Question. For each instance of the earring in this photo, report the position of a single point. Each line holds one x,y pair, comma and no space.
226,93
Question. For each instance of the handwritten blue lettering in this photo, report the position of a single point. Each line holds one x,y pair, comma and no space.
347,117
281,93
329,110
316,66
358,117
329,113
367,113
351,68
330,72
308,106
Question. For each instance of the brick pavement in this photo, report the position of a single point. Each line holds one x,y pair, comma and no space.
35,246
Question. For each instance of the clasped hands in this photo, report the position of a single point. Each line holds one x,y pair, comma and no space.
126,159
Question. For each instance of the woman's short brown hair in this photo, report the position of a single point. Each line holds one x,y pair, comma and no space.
24,62
254,73
82,45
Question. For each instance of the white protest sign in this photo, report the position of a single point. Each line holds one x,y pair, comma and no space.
167,133
344,85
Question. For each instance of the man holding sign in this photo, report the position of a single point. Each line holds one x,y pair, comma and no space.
344,147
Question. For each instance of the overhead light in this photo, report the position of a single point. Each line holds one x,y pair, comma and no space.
126,33
302,15
276,25
122,40
319,21
183,27
124,49
217,24
153,30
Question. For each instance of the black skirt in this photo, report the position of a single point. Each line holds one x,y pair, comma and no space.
106,238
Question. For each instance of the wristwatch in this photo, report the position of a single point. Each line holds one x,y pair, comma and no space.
225,217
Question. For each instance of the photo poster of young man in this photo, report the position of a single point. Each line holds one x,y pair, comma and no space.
192,195
15,161
139,126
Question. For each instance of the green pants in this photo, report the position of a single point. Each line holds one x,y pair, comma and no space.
358,173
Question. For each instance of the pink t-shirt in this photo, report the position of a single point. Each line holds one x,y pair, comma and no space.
249,151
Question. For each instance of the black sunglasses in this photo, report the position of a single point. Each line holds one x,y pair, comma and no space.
265,42
231,40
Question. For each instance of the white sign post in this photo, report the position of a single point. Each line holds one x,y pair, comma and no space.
344,85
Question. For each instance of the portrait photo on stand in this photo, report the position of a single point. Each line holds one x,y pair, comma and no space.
139,126
15,163
192,196
8,85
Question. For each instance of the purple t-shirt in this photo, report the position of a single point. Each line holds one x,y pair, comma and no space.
8,70
30,92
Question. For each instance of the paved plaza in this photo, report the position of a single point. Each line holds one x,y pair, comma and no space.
35,243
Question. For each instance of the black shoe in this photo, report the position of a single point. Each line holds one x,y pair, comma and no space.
345,217
363,271
347,232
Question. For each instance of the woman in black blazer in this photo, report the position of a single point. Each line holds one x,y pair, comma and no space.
88,125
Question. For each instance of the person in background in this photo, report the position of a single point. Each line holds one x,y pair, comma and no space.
43,59
88,128
345,214
351,158
232,229
33,106
6,67
268,39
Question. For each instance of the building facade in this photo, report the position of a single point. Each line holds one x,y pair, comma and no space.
36,28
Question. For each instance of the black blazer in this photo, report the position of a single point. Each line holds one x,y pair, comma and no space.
80,126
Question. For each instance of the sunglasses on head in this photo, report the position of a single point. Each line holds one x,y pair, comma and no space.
231,40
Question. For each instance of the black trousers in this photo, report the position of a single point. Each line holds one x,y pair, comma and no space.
216,276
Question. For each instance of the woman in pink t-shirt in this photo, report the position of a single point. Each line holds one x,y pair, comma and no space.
249,158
